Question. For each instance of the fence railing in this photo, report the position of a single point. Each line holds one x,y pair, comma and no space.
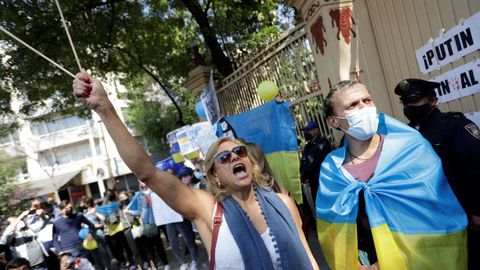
290,64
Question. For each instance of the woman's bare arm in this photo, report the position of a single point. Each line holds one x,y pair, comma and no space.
184,200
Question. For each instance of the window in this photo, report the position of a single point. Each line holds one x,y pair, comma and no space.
58,124
11,137
98,150
66,155
5,139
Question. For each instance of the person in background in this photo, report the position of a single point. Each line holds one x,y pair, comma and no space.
41,223
66,231
51,207
456,140
313,154
18,264
5,254
199,173
186,175
101,254
124,198
259,156
68,262
23,242
150,240
117,225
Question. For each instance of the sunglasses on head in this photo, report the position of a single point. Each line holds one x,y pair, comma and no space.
225,156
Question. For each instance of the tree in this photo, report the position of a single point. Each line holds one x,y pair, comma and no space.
154,118
10,195
127,38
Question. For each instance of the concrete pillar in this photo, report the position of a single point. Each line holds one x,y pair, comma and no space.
198,79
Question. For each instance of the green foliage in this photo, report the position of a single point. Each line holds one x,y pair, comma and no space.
153,119
132,38
10,196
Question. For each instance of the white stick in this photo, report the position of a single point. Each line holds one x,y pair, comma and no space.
68,35
37,52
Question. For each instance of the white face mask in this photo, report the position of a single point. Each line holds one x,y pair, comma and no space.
363,123
199,175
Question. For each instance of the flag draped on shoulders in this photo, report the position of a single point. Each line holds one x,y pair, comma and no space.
416,220
273,128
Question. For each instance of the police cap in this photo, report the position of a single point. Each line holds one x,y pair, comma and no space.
310,125
413,89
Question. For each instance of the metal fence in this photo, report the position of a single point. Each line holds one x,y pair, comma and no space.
289,63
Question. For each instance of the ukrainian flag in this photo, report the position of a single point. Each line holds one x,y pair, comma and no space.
416,220
107,209
273,128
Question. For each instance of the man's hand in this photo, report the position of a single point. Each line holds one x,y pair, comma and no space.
90,92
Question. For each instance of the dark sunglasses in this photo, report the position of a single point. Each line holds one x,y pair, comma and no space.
225,156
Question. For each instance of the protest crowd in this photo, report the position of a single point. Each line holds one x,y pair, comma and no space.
384,188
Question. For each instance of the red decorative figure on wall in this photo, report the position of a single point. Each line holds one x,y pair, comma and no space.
343,19
317,29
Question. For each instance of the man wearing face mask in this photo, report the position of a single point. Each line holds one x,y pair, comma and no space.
456,140
383,192
66,231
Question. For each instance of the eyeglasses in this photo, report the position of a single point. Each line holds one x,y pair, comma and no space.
225,156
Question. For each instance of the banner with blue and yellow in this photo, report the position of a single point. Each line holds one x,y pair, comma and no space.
273,128
416,220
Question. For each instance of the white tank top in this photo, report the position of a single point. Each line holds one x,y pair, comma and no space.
227,253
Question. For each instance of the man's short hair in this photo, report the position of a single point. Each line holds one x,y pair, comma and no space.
63,204
17,263
328,103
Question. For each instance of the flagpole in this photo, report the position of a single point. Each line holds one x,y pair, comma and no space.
68,35
37,52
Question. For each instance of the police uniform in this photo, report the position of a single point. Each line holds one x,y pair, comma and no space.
456,140
313,155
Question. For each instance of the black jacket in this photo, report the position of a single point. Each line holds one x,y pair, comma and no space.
313,155
456,140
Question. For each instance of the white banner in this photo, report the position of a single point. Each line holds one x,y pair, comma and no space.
474,117
205,135
459,41
459,82
162,213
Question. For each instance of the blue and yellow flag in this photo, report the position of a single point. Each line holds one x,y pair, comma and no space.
107,209
273,128
416,220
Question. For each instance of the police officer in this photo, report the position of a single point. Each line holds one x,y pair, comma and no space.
456,140
313,154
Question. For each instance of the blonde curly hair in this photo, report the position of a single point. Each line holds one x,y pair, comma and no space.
220,191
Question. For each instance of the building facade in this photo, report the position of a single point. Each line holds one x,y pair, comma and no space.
70,156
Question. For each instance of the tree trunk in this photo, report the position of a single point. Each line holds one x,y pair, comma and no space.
219,59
